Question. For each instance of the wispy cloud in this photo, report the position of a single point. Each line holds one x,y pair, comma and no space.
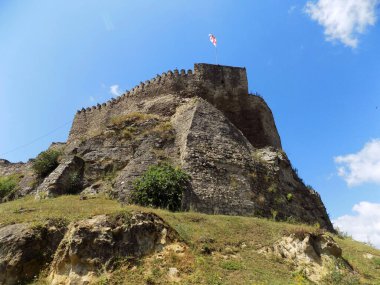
365,225
343,20
361,167
114,90
108,23
292,9
91,98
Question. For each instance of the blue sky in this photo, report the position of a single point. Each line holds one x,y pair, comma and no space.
316,65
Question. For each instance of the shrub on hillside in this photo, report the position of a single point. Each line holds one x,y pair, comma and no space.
46,162
74,183
8,183
160,186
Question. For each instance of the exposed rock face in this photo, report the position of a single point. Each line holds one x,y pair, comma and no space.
78,254
24,250
25,172
289,197
92,245
229,175
208,124
7,168
28,179
60,181
313,255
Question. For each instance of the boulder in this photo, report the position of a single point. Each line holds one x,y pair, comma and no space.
94,245
63,180
26,250
313,255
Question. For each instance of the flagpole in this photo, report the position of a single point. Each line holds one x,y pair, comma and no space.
216,55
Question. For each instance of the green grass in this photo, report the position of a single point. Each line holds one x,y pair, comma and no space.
354,252
232,265
69,208
163,127
131,126
232,244
132,117
128,132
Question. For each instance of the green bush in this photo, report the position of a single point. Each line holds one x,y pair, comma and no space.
74,183
232,265
339,276
160,186
377,262
8,183
46,162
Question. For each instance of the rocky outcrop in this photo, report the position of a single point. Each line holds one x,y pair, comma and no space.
218,158
92,246
203,121
28,181
313,255
8,168
26,250
25,174
289,198
80,252
228,174
64,179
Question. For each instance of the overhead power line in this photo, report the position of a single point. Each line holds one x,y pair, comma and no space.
35,140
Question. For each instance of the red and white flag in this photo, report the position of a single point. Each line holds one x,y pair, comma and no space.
212,39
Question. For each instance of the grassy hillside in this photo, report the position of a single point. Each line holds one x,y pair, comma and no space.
222,249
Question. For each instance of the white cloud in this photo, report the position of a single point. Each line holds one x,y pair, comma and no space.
365,225
361,167
343,20
114,90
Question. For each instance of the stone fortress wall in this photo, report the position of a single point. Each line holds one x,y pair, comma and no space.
225,87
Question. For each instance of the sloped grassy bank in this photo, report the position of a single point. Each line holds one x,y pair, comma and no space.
220,249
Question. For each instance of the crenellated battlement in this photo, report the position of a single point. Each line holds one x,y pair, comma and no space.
225,87
163,82
158,82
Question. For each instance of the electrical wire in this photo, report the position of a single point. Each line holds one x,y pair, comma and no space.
36,139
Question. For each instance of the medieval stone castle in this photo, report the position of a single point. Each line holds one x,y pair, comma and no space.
225,87
204,121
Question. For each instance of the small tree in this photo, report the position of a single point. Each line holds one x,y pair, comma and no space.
8,184
74,183
46,162
160,186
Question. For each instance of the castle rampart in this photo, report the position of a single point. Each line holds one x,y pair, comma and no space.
223,86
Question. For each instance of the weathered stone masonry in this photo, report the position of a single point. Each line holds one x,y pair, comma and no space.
223,86
224,138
